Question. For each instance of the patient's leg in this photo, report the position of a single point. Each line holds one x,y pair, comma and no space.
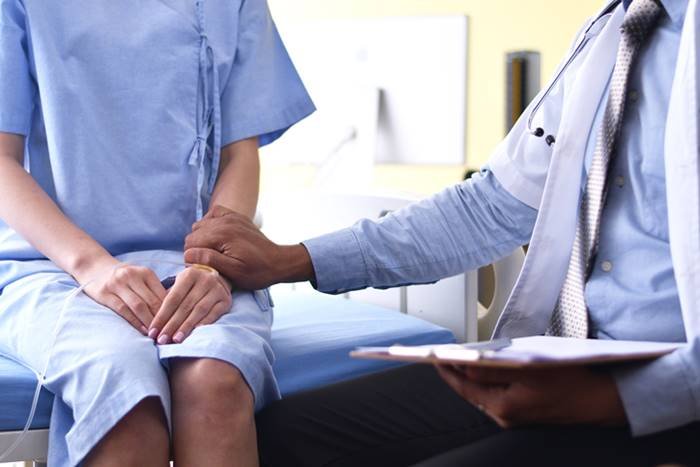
213,415
140,438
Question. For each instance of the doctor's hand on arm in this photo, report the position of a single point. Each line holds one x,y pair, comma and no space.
230,243
228,240
559,396
133,293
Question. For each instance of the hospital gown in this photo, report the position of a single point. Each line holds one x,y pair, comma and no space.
125,106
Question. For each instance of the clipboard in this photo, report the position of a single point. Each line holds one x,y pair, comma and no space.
525,352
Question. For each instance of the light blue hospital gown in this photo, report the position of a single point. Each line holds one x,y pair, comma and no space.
125,105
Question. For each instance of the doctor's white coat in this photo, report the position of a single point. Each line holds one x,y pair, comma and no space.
550,178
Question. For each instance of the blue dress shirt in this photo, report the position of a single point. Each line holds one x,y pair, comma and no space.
632,280
632,291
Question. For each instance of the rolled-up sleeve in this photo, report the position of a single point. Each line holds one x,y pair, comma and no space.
264,95
462,228
661,394
17,89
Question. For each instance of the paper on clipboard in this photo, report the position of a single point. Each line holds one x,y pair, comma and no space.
536,351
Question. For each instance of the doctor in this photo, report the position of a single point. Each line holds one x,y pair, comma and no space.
601,177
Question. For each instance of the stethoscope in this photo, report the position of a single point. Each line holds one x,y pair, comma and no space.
591,31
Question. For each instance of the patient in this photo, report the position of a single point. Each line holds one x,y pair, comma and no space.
120,124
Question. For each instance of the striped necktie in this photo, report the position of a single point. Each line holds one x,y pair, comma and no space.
570,316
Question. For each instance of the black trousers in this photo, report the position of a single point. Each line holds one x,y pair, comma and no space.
409,417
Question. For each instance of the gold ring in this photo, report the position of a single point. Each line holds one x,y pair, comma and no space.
204,267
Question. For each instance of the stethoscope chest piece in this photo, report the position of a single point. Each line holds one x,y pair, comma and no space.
539,132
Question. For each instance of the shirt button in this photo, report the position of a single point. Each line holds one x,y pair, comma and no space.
620,181
634,95
606,266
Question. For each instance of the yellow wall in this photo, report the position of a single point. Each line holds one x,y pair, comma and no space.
495,27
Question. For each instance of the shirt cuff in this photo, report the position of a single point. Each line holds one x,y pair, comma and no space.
659,395
338,262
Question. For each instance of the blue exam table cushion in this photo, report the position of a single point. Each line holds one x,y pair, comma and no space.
311,337
17,386
314,333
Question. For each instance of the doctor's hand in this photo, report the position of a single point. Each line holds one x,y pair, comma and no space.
574,395
134,293
197,298
230,243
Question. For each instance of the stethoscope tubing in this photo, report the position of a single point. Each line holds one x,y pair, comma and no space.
587,36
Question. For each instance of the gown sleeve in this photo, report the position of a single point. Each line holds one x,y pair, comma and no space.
264,95
16,84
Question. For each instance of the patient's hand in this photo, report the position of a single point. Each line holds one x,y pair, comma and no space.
133,292
197,298
575,395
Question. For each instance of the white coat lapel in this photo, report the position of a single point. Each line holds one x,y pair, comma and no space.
534,296
683,173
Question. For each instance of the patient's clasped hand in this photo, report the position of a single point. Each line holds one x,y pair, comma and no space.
198,297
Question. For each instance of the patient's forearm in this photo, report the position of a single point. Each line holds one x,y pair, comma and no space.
238,185
26,208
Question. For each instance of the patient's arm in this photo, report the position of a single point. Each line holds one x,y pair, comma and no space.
238,184
197,297
134,293
26,208
462,228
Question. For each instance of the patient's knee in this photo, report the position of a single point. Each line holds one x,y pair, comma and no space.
139,438
211,387
147,413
